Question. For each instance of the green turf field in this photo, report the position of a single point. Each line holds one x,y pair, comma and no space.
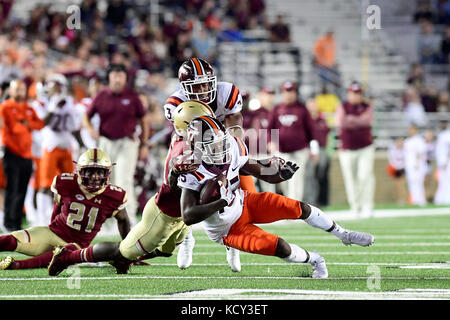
410,259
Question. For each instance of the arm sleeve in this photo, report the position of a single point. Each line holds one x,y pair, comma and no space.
234,101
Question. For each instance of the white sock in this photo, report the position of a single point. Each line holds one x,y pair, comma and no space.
189,236
298,255
44,208
318,219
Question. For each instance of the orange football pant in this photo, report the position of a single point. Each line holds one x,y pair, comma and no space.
265,207
247,183
53,163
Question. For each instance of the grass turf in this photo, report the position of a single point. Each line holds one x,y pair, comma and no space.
400,242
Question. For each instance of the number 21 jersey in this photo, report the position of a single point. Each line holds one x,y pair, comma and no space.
81,213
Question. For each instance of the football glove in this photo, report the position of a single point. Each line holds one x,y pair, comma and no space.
287,170
182,164
225,193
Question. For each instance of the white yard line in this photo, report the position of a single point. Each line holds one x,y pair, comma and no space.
213,277
339,244
273,294
313,294
216,253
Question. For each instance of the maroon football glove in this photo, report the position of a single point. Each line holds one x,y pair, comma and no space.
182,164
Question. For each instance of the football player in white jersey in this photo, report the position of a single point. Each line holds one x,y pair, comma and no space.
231,219
442,196
199,82
415,149
63,123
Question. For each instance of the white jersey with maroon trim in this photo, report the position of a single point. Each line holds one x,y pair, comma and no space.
218,224
58,132
88,140
228,101
39,106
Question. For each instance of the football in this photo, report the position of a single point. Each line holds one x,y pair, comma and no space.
211,190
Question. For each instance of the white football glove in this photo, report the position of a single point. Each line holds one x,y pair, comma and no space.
225,193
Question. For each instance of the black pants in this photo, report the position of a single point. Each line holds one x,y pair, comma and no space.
18,171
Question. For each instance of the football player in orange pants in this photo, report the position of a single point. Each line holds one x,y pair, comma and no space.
231,219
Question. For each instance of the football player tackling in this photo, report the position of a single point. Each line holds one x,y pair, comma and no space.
82,202
162,228
231,219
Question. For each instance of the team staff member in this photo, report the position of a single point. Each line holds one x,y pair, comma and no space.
120,110
354,118
296,136
18,121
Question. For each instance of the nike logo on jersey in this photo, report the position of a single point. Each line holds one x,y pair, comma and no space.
234,169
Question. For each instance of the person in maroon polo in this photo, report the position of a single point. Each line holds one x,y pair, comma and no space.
354,119
296,137
120,111
316,173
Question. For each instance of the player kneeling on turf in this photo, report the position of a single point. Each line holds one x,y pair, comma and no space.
230,219
82,203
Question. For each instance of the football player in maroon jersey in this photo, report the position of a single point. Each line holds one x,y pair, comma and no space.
161,228
82,202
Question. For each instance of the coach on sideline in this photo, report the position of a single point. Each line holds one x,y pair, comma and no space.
18,120
120,110
354,118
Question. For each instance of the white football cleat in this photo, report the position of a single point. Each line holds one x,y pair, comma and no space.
355,237
233,259
320,270
184,257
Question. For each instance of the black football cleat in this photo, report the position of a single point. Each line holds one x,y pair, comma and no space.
57,264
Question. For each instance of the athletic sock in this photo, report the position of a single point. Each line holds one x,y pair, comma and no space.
40,261
298,255
83,255
8,243
318,219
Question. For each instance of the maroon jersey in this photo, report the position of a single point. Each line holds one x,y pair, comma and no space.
168,200
257,120
358,137
119,113
321,128
296,127
82,214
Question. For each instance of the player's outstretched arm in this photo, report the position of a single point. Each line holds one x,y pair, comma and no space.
234,124
273,170
192,212
123,223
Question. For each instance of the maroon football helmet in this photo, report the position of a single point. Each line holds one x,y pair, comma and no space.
197,80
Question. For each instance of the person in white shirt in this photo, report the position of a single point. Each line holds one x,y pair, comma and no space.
442,196
63,122
415,165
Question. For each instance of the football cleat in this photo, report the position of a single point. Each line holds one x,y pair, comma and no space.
6,263
233,259
122,267
320,270
57,264
184,257
360,238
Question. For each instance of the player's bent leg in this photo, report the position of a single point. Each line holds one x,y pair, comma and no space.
318,219
151,233
36,240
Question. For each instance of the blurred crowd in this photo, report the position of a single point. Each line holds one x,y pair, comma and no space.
434,39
